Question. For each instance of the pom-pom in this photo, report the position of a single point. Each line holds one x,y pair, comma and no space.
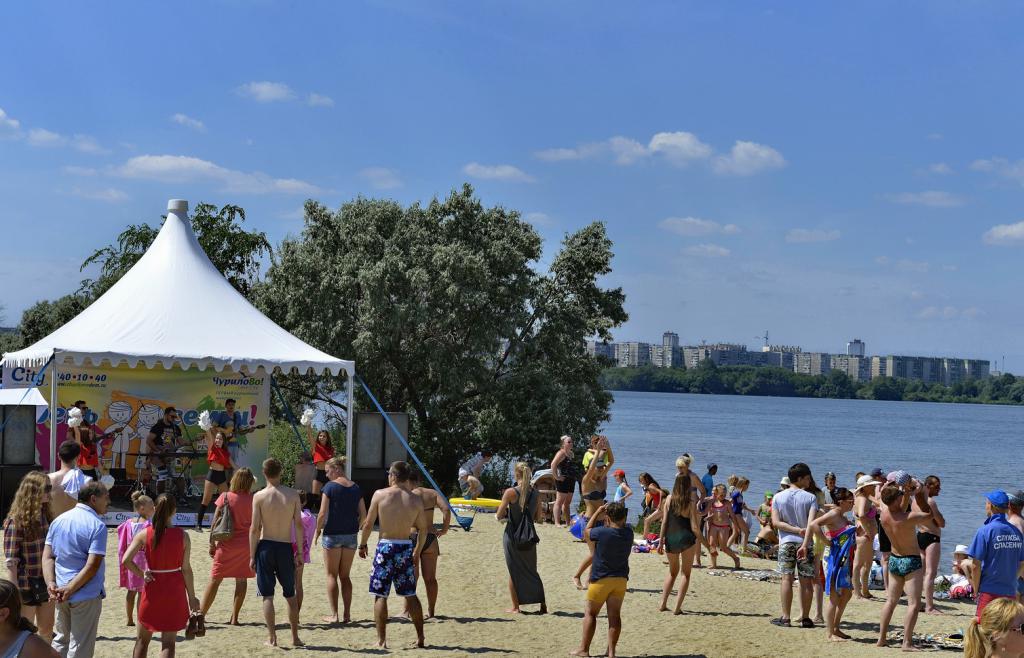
74,417
205,422
307,418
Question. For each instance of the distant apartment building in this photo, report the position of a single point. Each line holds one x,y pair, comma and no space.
929,369
857,368
855,347
671,355
633,354
812,363
601,349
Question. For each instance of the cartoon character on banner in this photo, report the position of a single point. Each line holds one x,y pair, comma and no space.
121,413
149,414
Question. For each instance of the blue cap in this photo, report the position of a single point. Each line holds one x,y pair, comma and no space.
998,498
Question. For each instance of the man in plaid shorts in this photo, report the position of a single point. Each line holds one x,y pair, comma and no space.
793,509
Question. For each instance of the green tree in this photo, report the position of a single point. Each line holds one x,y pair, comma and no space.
446,316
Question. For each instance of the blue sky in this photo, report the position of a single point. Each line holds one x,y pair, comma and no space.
822,171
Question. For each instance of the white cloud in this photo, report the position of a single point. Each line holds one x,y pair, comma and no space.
693,226
929,198
581,152
940,169
934,136
45,138
1001,167
538,218
626,150
109,195
907,265
298,213
808,235
79,171
679,148
950,268
502,172
747,158
87,144
188,122
1005,234
381,178
949,313
882,260
8,124
707,250
186,169
319,100
266,92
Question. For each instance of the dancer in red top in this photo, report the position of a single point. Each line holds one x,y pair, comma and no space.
322,451
169,593
218,458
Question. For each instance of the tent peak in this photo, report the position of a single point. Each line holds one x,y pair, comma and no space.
177,205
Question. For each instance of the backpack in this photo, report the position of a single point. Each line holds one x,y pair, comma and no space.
524,534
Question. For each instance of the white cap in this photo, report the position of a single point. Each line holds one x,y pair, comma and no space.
960,548
785,481
177,205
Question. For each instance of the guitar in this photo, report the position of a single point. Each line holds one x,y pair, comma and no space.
246,430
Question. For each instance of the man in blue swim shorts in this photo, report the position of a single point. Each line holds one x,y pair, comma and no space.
904,506
398,511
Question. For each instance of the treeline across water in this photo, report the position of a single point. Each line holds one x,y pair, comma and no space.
779,382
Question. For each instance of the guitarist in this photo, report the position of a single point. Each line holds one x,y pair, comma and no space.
229,422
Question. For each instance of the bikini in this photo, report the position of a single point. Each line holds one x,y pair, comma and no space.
596,495
431,536
714,507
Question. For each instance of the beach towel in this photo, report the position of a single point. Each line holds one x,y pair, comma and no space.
840,557
125,533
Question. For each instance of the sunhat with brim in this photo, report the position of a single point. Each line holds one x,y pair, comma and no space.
784,482
960,548
866,481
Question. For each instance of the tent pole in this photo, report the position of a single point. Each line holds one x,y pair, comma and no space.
350,422
53,415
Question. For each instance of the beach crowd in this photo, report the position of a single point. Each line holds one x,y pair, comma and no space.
823,538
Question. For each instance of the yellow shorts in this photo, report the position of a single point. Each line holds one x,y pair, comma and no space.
600,591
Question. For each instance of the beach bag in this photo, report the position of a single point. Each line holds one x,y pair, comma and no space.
524,534
224,528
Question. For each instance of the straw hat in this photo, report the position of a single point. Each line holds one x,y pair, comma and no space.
865,481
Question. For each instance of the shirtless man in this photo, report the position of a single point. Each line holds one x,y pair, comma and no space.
276,512
432,549
1013,516
66,482
399,510
905,565
929,540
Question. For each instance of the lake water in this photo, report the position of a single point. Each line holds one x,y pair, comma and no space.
972,448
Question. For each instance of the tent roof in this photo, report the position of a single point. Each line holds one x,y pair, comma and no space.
174,308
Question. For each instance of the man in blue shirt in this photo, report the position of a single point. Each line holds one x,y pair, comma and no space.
73,566
997,552
709,478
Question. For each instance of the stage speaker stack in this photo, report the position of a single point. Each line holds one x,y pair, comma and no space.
17,450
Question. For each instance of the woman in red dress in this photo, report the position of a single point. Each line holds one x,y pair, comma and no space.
169,593
322,451
231,557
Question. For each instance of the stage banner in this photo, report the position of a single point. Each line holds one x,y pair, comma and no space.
125,402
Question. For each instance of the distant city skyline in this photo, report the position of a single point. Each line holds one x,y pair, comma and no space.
757,167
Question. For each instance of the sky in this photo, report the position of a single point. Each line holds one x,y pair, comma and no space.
819,171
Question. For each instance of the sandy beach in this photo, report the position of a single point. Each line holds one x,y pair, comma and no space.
726,615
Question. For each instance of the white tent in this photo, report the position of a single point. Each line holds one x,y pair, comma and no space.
155,315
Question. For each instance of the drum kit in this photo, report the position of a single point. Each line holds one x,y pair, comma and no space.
179,467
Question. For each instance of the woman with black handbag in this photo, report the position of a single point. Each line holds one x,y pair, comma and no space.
518,506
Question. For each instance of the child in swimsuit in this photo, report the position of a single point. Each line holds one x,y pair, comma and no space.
622,491
741,530
720,524
840,538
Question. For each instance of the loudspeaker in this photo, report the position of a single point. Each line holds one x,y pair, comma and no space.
10,478
19,435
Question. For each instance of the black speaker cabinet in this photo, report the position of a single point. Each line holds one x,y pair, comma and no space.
10,478
18,443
